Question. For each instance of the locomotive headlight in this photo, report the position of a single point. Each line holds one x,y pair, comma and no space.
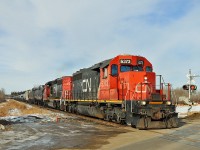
143,103
145,79
168,103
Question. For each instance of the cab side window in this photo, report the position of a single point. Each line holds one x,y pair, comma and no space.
114,70
105,72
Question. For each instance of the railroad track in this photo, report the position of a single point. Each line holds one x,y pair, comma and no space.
87,118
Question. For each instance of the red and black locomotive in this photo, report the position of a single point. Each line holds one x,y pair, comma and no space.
123,89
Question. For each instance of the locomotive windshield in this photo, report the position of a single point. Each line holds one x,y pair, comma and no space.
137,68
126,68
149,69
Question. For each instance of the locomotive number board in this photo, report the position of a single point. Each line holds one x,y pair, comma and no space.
125,61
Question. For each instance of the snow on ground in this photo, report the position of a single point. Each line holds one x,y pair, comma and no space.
18,112
30,118
14,111
183,111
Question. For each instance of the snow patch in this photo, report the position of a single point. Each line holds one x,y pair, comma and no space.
14,112
184,110
21,119
29,106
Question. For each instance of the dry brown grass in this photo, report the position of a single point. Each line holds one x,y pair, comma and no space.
193,116
3,112
35,110
22,107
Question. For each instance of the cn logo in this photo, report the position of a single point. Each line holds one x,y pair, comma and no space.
86,85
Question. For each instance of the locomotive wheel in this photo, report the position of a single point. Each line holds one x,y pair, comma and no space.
57,105
67,108
54,104
62,106
116,118
45,104
133,125
70,109
108,118
73,109
123,122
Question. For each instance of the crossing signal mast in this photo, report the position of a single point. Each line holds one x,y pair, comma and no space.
190,86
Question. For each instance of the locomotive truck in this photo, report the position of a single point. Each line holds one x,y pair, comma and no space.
123,89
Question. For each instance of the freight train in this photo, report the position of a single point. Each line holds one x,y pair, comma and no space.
123,89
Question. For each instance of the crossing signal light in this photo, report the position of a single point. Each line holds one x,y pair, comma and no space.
186,87
192,87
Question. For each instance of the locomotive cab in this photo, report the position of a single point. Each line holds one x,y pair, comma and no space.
130,78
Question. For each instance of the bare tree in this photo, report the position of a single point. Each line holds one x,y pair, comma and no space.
2,94
196,97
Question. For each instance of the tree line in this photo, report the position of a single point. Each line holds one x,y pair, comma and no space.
180,94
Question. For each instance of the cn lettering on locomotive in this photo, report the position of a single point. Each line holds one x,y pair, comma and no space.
86,85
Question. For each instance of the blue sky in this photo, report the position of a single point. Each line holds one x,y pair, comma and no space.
43,40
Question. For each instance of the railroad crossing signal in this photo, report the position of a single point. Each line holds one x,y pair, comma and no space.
190,87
